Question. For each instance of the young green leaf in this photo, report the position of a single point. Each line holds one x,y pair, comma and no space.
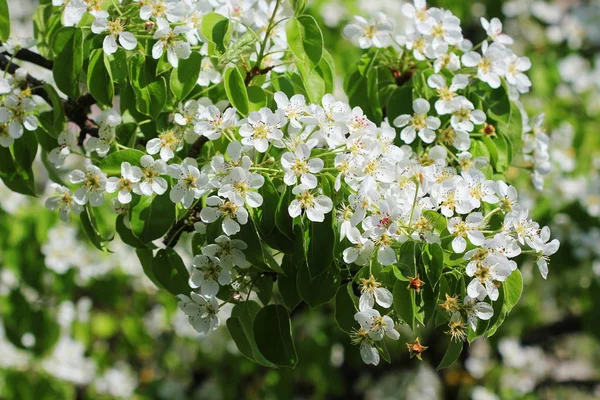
217,30
305,39
4,21
150,91
286,283
319,254
236,90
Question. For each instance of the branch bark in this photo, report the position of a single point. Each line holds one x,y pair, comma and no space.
34,58
547,333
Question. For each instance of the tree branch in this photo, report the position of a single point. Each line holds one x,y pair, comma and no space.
31,57
589,385
547,333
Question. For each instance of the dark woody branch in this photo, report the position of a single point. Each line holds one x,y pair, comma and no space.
32,57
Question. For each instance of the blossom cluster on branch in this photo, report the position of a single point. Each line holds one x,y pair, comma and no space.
394,202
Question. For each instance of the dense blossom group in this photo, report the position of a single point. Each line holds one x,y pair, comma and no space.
391,191
384,188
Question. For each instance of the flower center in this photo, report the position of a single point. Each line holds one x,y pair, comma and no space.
115,27
485,65
228,209
446,94
168,139
92,181
261,131
418,121
306,199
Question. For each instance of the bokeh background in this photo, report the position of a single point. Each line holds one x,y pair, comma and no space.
76,323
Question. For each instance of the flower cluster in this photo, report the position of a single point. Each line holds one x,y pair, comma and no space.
176,27
393,196
17,107
420,177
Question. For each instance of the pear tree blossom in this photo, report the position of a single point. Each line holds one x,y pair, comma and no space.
278,189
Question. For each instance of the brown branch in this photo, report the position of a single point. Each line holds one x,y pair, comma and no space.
256,71
547,333
185,224
589,385
31,57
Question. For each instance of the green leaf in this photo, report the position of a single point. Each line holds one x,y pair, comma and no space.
265,218
451,355
183,79
299,6
305,39
43,136
512,287
509,296
376,113
399,103
146,258
283,221
68,59
286,283
4,21
127,135
256,254
318,80
150,91
273,336
111,165
216,29
319,289
58,112
319,255
169,269
236,90
361,86
19,318
88,222
407,261
152,217
118,66
14,176
99,78
345,308
257,98
263,286
433,258
25,149
126,235
241,328
404,302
